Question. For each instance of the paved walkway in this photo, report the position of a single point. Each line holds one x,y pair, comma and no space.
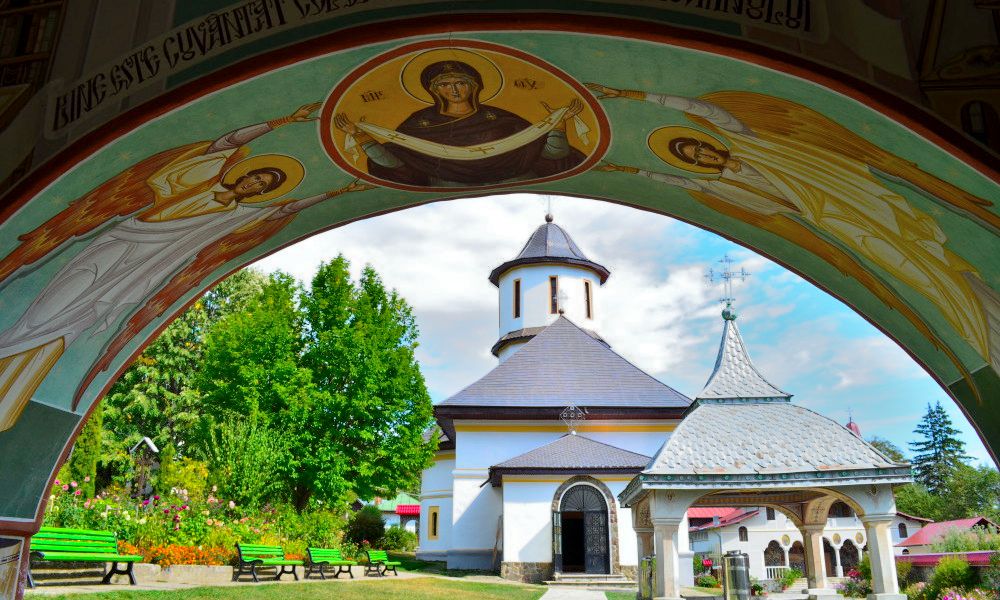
571,594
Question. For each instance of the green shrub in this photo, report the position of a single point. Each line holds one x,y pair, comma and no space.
991,574
903,573
977,538
916,591
790,577
397,538
707,581
366,525
950,573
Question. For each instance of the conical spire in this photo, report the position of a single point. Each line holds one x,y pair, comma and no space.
735,376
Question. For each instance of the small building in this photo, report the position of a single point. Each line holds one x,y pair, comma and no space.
401,511
921,541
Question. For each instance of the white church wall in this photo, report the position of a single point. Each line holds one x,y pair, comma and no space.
628,551
535,298
436,488
527,523
475,513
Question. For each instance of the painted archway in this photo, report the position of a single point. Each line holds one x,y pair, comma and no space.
860,193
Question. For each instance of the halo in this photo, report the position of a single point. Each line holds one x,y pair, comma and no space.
659,142
294,173
410,73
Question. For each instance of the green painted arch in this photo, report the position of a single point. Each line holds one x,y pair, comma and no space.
780,223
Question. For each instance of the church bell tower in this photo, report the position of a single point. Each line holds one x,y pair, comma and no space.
550,277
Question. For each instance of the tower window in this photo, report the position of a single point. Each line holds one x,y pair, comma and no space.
744,536
902,531
432,531
553,295
588,299
517,298
770,513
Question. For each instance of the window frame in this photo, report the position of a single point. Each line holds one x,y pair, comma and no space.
516,309
433,522
553,294
743,534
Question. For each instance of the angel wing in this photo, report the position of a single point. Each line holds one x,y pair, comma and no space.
783,118
203,264
122,195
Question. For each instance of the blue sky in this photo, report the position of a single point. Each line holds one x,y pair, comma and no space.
658,311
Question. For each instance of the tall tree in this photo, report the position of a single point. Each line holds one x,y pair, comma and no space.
940,453
361,343
155,395
886,447
82,466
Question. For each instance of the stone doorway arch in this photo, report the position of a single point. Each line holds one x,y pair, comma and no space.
577,495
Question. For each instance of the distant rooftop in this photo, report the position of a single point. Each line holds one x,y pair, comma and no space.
550,244
932,532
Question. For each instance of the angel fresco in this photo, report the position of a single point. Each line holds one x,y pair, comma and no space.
156,229
789,169
481,118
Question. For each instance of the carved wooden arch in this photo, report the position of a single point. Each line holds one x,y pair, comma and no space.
609,498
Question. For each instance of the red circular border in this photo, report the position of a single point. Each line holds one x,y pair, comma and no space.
326,114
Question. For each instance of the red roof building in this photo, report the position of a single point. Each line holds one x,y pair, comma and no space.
932,532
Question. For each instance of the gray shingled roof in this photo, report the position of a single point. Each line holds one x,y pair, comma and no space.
734,375
762,438
571,453
564,365
550,243
530,332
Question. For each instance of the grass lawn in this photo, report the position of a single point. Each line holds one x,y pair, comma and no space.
424,588
411,563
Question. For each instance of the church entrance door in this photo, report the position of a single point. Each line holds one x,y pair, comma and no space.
583,532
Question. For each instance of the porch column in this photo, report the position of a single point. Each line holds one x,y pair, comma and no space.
668,580
884,583
788,564
812,542
837,568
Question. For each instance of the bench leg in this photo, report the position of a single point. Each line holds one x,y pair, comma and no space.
131,575
253,572
31,580
114,570
393,570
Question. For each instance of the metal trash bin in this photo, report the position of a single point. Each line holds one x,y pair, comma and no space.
735,575
647,570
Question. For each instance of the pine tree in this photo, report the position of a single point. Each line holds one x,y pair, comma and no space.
940,454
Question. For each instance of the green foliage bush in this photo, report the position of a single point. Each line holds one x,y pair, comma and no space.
977,538
707,581
950,573
397,538
903,570
991,574
366,525
790,577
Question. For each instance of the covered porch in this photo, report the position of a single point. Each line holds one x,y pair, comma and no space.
765,453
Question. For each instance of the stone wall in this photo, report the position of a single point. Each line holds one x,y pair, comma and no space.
527,572
630,572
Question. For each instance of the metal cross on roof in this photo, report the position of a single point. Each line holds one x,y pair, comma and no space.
572,416
726,275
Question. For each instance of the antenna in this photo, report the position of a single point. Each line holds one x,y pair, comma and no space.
726,274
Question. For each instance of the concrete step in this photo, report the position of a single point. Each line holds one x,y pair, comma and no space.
592,582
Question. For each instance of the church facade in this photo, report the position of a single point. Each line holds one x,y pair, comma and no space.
533,455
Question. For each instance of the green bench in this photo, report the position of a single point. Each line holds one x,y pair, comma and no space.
81,545
320,558
379,563
253,556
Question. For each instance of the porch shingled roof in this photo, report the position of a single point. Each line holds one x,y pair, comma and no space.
571,453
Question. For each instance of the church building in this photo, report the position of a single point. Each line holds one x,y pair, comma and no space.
533,454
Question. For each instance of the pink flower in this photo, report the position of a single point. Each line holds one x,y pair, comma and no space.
166,511
77,492
72,483
58,482
145,502
65,488
86,479
232,504
185,507
156,497
209,522
177,526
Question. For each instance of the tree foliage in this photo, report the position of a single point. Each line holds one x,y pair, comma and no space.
939,453
887,448
82,466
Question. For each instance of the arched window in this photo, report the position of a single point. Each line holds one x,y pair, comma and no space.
902,531
770,513
744,536
980,120
839,509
